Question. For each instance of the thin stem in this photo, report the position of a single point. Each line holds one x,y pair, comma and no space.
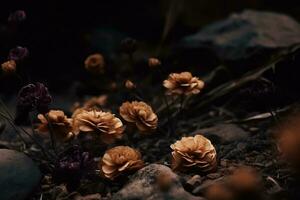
30,136
52,137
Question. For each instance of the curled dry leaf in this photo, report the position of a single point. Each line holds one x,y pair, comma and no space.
194,153
183,84
103,124
60,124
140,114
120,160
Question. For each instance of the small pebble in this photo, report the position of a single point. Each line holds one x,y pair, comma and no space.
195,181
213,175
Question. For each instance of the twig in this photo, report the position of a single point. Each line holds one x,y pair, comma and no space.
52,137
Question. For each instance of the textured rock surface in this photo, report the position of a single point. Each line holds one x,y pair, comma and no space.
19,175
154,182
223,133
244,35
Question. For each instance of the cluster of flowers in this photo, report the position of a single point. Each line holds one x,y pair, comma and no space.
17,54
88,119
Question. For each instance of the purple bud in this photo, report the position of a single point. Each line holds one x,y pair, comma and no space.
18,53
17,16
71,166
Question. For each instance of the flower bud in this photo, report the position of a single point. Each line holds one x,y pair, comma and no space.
129,85
17,16
9,66
95,63
153,62
18,53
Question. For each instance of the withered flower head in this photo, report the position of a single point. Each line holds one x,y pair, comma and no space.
60,124
32,97
120,160
9,66
71,166
194,153
17,16
129,85
18,53
103,124
153,62
139,113
183,84
95,63
129,45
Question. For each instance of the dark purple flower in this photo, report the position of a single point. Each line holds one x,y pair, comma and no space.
18,53
71,167
17,16
32,97
129,45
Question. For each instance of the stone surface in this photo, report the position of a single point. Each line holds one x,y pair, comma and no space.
154,182
245,35
19,175
223,133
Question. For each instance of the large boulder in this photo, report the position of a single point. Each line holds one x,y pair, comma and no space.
154,182
245,35
19,176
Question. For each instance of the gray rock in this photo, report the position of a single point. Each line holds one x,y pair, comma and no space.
223,133
154,182
19,175
246,35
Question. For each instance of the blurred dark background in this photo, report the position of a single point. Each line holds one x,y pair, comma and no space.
60,34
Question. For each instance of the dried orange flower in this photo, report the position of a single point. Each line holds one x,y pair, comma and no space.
139,113
183,84
9,66
60,124
95,63
120,160
194,153
129,85
103,124
153,62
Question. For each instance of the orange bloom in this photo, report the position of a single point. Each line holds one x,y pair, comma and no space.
60,124
103,124
120,160
139,113
9,66
183,84
194,152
